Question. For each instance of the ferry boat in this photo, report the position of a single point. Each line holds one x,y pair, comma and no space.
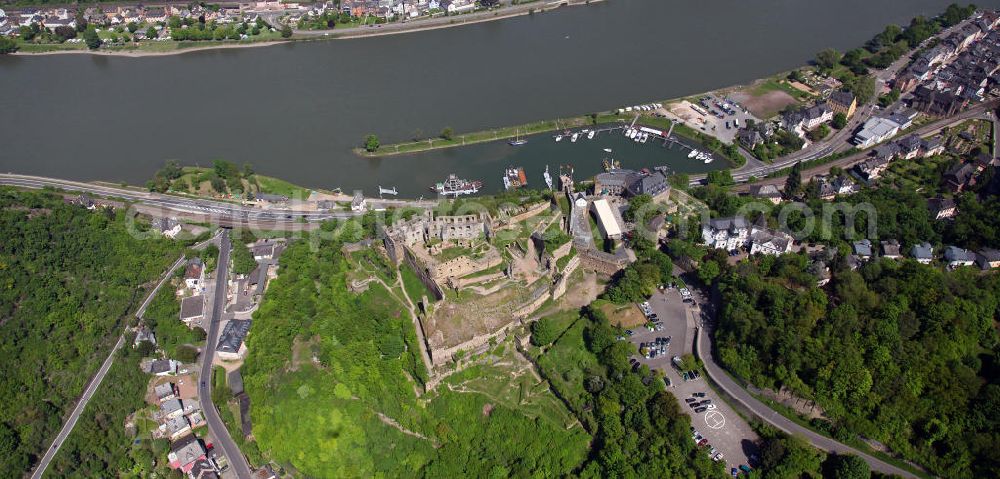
514,177
455,186
574,137
693,153
547,177
590,135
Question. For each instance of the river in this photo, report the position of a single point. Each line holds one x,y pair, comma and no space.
295,111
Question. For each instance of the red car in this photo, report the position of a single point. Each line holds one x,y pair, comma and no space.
703,442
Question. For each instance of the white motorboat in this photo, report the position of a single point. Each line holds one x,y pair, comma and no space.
693,153
590,135
558,138
574,137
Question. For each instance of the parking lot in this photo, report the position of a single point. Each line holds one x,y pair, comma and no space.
724,430
711,123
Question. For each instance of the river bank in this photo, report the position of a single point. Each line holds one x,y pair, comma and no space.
155,49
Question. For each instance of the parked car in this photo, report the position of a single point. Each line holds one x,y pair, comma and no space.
718,457
698,395
689,400
706,402
703,442
745,468
734,472
699,409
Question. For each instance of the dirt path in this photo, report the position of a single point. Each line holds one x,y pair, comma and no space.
392,422
421,340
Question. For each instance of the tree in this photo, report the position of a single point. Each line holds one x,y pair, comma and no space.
863,87
850,467
839,120
91,39
371,143
818,133
65,32
7,45
720,178
151,33
187,354
132,27
827,59
447,133
794,181
243,261
543,332
286,31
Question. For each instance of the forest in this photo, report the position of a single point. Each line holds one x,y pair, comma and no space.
896,352
70,278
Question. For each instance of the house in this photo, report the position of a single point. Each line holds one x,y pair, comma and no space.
726,233
923,253
232,345
266,249
887,151
359,203
163,367
875,131
830,189
176,427
165,392
184,453
891,249
988,258
194,274
842,101
766,192
932,146
143,334
961,176
608,219
172,408
816,115
203,469
631,183
197,419
192,310
750,137
769,242
862,249
957,257
870,170
942,208
264,473
910,147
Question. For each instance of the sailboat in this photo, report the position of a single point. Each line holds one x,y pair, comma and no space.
517,141
547,177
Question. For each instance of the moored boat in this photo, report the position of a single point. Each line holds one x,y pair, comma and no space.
547,177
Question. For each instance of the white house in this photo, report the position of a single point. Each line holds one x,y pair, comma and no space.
726,233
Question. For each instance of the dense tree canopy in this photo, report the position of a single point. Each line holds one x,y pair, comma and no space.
70,277
901,353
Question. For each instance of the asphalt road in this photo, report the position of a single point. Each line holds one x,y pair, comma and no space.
220,212
703,345
95,382
978,112
215,425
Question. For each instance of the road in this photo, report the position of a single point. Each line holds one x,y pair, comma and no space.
705,351
95,382
840,140
440,21
981,112
215,425
221,212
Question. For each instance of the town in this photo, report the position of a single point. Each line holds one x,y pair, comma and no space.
268,20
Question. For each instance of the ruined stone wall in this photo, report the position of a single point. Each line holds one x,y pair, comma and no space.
560,288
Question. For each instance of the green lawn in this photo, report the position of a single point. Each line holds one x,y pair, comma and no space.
566,362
